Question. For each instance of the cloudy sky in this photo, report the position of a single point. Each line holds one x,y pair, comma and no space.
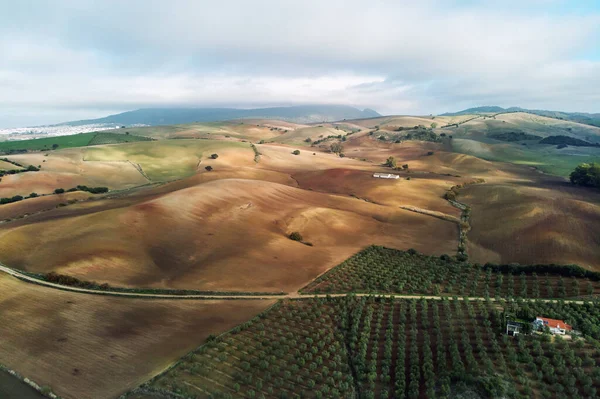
66,60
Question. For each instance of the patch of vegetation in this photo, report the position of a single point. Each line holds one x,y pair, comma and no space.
514,136
384,270
296,152
115,138
70,141
586,174
391,162
296,236
214,156
257,154
93,190
372,347
567,140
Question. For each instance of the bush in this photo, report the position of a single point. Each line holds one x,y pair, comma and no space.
296,152
430,153
296,236
208,168
32,168
586,174
59,191
33,195
307,140
214,156
391,162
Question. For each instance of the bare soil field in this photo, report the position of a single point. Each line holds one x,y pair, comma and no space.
88,346
33,205
226,235
66,169
544,220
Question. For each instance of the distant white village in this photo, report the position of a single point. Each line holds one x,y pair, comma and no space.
24,133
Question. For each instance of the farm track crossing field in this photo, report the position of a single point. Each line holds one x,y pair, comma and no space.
384,270
370,347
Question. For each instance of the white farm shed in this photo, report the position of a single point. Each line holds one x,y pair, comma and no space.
386,176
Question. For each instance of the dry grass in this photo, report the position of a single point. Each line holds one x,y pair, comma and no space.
88,346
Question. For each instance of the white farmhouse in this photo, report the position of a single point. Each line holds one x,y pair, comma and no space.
555,326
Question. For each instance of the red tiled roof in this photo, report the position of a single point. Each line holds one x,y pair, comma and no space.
553,323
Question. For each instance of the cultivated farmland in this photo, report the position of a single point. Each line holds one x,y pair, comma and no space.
371,347
384,270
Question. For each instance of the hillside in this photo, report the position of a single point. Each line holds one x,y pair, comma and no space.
579,117
169,116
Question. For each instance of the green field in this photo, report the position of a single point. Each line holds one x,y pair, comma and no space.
368,347
544,157
59,142
165,160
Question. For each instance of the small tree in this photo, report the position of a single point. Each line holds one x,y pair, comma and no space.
296,236
296,152
391,162
308,140
54,146
209,168
214,156
59,191
336,148
434,125
33,195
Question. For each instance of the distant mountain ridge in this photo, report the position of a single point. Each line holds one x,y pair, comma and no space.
580,117
173,116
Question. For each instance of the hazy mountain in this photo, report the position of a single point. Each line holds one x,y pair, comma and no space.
170,116
580,117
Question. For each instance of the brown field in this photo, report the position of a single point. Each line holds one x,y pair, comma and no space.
89,346
66,169
226,234
543,220
33,205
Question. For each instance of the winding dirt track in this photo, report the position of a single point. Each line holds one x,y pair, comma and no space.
294,295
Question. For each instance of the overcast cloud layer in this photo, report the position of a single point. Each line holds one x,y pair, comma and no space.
68,60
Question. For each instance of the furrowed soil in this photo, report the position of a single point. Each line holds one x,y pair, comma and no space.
91,346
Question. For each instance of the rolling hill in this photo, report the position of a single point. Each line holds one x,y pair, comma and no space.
169,116
579,117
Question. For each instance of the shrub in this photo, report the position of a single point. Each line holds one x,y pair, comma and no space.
214,156
307,140
296,152
208,168
430,153
296,236
59,191
586,174
391,162
32,168
33,195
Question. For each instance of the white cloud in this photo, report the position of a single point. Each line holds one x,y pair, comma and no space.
394,56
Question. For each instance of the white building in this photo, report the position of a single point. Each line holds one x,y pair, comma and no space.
555,326
386,176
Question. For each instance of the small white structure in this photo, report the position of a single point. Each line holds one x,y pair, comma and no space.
555,326
386,176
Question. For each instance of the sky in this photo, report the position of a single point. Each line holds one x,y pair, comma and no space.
65,60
